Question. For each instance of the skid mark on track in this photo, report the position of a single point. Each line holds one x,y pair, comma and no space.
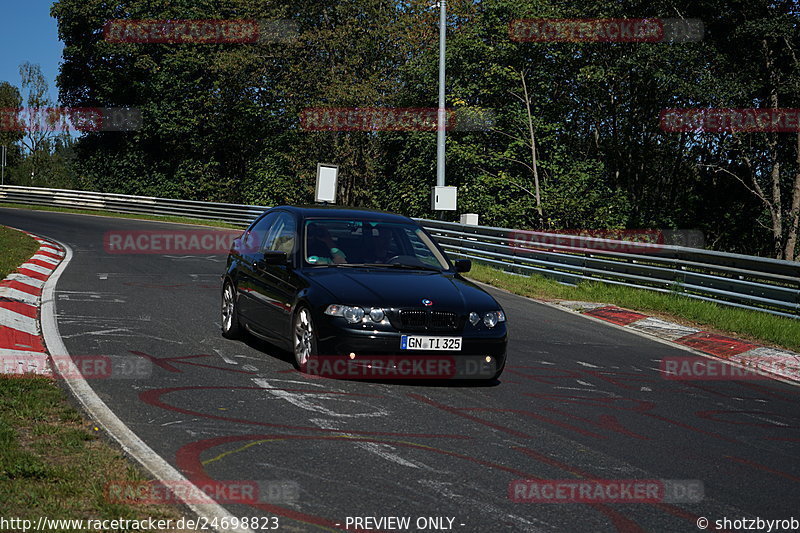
305,400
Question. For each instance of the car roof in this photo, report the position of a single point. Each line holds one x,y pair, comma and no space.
335,211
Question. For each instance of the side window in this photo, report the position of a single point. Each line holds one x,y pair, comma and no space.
255,236
282,235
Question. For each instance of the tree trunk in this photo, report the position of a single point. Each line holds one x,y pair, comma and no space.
534,164
790,252
776,207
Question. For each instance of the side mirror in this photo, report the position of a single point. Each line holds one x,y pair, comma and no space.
463,265
272,258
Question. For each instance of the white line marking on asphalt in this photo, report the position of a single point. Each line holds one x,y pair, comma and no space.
384,451
229,361
88,296
247,357
765,419
590,365
97,332
299,382
304,400
607,393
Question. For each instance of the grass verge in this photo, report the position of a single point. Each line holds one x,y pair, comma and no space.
749,325
179,220
15,249
54,464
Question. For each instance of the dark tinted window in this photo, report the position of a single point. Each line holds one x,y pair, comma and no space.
254,239
282,235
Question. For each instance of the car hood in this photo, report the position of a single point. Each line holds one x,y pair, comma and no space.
392,288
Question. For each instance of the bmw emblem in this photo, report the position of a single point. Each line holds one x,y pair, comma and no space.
426,302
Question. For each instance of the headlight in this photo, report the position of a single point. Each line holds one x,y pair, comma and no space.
474,318
356,314
492,318
352,314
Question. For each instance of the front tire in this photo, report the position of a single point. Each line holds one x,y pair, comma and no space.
231,327
304,338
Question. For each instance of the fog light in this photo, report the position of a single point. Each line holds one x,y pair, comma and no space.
352,355
488,358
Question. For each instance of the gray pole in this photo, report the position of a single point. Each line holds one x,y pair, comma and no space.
3,166
440,123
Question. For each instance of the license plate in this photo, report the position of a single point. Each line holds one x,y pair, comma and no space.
419,342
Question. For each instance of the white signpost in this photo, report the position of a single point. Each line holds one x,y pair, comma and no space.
327,176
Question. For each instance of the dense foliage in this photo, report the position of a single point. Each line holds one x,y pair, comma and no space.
221,121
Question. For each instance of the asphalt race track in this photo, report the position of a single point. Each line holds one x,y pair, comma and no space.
579,400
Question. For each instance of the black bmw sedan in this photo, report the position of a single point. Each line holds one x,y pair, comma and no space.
358,293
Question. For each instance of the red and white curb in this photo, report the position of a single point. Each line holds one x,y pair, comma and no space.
780,363
22,349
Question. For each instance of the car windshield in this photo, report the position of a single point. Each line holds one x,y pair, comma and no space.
370,243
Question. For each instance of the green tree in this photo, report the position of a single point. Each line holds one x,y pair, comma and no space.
10,133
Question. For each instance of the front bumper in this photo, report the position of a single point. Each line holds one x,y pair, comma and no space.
367,353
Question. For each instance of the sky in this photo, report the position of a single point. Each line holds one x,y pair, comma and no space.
28,33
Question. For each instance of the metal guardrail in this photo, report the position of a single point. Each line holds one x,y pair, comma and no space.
240,215
744,281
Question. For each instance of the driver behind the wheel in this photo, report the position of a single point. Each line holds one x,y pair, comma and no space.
320,248
382,243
